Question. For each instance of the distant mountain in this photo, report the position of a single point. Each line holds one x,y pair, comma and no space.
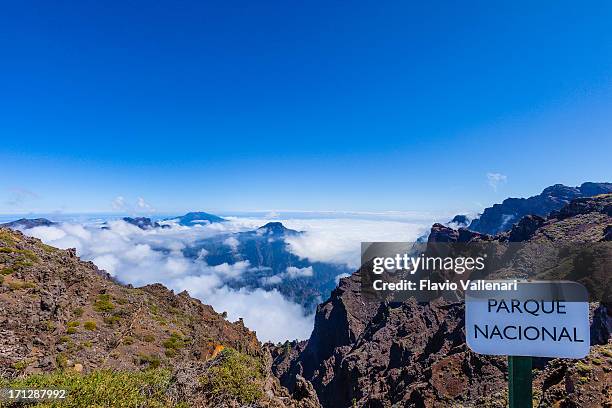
460,220
501,217
195,218
272,265
27,223
144,223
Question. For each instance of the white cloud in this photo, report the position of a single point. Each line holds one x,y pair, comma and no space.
272,316
139,253
293,272
199,286
202,254
131,254
339,240
232,243
143,205
272,214
108,262
496,179
126,252
342,275
272,280
119,204
47,233
231,270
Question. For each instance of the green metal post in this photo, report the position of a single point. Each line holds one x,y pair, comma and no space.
520,393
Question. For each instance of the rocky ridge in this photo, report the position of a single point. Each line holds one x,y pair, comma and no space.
501,217
414,354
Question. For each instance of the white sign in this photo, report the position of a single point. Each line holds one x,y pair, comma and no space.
539,319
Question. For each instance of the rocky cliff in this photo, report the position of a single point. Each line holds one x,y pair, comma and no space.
59,314
414,354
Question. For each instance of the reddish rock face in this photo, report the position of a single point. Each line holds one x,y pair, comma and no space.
448,378
414,354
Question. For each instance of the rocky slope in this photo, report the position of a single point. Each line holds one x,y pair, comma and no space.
60,314
501,217
414,354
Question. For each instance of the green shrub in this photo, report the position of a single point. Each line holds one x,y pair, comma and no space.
17,285
48,248
104,304
25,252
78,312
583,368
175,341
173,344
160,320
103,388
21,365
72,327
235,376
154,309
7,237
89,325
111,320
23,264
149,338
61,360
7,271
151,360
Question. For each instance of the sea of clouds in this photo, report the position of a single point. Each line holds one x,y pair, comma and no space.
140,257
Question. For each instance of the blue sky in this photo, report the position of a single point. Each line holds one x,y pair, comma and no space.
313,105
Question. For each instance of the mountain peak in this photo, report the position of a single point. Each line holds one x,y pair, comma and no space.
460,220
274,228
